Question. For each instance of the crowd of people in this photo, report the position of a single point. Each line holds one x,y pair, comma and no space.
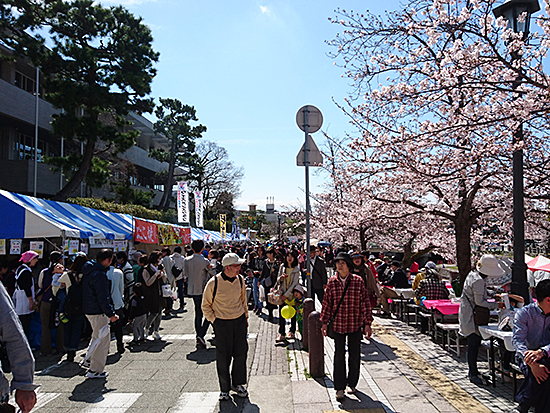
84,298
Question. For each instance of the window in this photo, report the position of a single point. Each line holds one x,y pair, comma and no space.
159,187
26,83
23,148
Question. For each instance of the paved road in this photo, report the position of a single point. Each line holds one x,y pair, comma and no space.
402,371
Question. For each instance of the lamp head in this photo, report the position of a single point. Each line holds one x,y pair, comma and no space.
511,10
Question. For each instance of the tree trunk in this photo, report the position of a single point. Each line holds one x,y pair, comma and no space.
407,254
363,238
165,201
80,174
463,231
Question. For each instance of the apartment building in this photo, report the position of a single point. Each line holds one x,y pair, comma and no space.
18,120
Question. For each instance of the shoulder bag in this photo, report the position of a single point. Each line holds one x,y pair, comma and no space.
275,296
482,315
330,329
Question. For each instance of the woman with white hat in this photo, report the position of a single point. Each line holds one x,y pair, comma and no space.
474,294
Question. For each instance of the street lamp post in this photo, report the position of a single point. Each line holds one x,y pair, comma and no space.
511,10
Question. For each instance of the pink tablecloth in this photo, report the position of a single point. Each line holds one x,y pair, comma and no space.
445,307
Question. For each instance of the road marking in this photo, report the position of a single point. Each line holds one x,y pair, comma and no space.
454,394
164,337
112,403
196,402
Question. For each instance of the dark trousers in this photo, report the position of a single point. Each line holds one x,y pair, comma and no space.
180,285
320,293
532,393
117,328
26,323
72,331
474,341
46,316
354,359
201,323
282,323
231,346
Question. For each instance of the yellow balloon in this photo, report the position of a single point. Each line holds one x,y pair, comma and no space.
288,312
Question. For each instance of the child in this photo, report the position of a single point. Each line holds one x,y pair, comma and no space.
137,314
299,294
59,290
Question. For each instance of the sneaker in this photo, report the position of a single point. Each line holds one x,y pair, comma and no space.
93,375
63,318
156,335
240,390
224,396
280,339
352,390
479,380
201,342
340,394
289,335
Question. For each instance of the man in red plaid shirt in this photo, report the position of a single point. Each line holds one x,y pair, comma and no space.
353,319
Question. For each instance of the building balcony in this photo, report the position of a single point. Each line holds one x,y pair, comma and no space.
20,104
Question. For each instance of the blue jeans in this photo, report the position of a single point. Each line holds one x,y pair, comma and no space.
256,296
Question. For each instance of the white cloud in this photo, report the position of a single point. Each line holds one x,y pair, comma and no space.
265,10
125,2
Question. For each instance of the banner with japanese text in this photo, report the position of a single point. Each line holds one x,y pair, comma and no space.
183,202
185,234
198,209
145,232
222,226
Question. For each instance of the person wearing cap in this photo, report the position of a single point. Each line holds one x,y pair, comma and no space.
47,304
353,319
398,279
97,307
224,305
474,294
23,297
318,271
20,356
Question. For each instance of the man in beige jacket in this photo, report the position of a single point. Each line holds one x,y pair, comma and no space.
224,305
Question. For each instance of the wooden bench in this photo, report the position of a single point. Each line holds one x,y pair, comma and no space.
449,335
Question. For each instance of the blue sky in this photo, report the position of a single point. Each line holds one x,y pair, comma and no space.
247,67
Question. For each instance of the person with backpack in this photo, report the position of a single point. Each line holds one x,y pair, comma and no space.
73,305
224,305
49,305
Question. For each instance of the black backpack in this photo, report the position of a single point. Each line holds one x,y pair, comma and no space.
73,301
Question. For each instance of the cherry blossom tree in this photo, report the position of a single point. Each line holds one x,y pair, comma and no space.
440,87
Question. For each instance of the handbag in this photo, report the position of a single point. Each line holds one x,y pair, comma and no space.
482,315
330,329
176,271
275,296
166,290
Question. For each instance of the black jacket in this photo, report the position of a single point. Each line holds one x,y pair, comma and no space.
398,280
95,290
319,274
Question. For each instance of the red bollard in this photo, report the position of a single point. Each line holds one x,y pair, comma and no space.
309,306
316,346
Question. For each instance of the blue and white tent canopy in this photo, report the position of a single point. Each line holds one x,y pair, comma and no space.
23,216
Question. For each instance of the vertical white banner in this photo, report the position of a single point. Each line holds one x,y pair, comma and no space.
183,202
198,209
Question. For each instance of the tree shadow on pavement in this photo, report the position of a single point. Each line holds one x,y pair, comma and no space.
202,356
